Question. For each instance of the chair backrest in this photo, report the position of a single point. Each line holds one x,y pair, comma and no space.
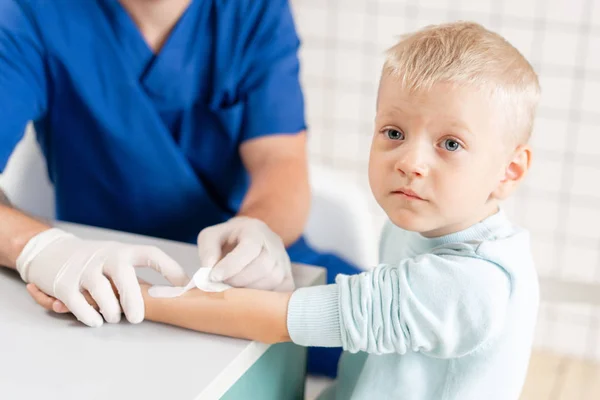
339,220
25,179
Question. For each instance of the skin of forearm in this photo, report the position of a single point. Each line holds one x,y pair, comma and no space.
241,313
16,230
280,199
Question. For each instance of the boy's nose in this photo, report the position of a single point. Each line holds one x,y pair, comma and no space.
412,160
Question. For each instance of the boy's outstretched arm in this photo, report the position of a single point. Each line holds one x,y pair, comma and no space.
242,313
443,305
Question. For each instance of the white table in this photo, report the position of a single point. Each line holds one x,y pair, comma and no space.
48,356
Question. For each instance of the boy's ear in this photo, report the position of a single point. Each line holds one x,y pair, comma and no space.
514,172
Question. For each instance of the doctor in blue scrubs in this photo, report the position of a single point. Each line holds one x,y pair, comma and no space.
166,118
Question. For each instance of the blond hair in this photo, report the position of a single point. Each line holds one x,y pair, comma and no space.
465,53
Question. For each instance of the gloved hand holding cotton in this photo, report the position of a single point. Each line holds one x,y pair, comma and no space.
258,259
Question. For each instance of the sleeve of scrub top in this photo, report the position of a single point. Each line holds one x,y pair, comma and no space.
274,103
22,76
443,305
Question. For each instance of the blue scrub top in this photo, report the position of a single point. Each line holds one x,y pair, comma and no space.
140,142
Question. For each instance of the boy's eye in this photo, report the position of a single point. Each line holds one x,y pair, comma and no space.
394,134
451,145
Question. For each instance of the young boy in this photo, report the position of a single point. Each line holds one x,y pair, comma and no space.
450,311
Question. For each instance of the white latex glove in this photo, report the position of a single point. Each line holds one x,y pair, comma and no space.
61,265
258,259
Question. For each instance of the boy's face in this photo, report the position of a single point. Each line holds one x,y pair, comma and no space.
437,156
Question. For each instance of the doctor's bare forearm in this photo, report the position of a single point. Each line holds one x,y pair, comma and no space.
15,231
240,313
281,199
279,192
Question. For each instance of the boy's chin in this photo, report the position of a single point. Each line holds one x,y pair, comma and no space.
410,221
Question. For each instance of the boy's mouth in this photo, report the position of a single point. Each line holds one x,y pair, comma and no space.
407,193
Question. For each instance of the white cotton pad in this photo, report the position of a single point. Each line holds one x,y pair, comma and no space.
201,280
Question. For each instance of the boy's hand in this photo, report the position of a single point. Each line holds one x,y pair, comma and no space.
52,304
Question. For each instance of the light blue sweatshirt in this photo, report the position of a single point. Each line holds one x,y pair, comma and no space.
448,318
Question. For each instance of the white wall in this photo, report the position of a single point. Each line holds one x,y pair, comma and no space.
25,178
343,42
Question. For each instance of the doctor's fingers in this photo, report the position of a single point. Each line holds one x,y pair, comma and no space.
259,271
211,242
103,296
246,251
83,311
155,258
122,274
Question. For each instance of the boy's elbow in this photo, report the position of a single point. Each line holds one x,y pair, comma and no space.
270,335
482,317
461,344
274,339
473,330
477,333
